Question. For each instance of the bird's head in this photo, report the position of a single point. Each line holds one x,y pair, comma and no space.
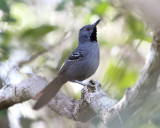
88,32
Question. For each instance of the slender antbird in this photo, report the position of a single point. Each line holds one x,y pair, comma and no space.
80,64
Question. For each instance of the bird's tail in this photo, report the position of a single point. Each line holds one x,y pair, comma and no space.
50,91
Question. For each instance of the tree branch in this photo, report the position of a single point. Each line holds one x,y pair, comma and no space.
62,104
135,96
94,100
12,94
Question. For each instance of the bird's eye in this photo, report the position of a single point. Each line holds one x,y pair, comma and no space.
87,29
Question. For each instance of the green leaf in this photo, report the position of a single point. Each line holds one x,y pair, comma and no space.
100,8
79,2
135,27
37,33
118,77
8,18
129,79
4,6
61,6
4,45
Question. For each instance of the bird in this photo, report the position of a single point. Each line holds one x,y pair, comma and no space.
79,65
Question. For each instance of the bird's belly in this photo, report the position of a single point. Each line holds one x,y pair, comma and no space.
91,68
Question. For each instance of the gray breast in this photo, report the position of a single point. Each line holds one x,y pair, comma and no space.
93,60
87,66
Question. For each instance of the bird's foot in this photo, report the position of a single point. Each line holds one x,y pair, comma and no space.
80,82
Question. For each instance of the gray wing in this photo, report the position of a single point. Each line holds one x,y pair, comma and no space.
75,56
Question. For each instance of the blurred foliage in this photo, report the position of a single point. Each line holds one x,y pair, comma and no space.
4,123
100,8
3,113
6,12
40,34
4,46
4,7
120,77
37,33
136,28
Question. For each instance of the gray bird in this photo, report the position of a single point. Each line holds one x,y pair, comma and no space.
80,64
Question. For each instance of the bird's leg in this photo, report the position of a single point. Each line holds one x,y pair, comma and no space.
80,82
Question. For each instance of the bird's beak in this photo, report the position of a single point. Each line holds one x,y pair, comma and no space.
96,22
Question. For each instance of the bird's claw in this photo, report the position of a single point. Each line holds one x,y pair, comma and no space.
80,82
